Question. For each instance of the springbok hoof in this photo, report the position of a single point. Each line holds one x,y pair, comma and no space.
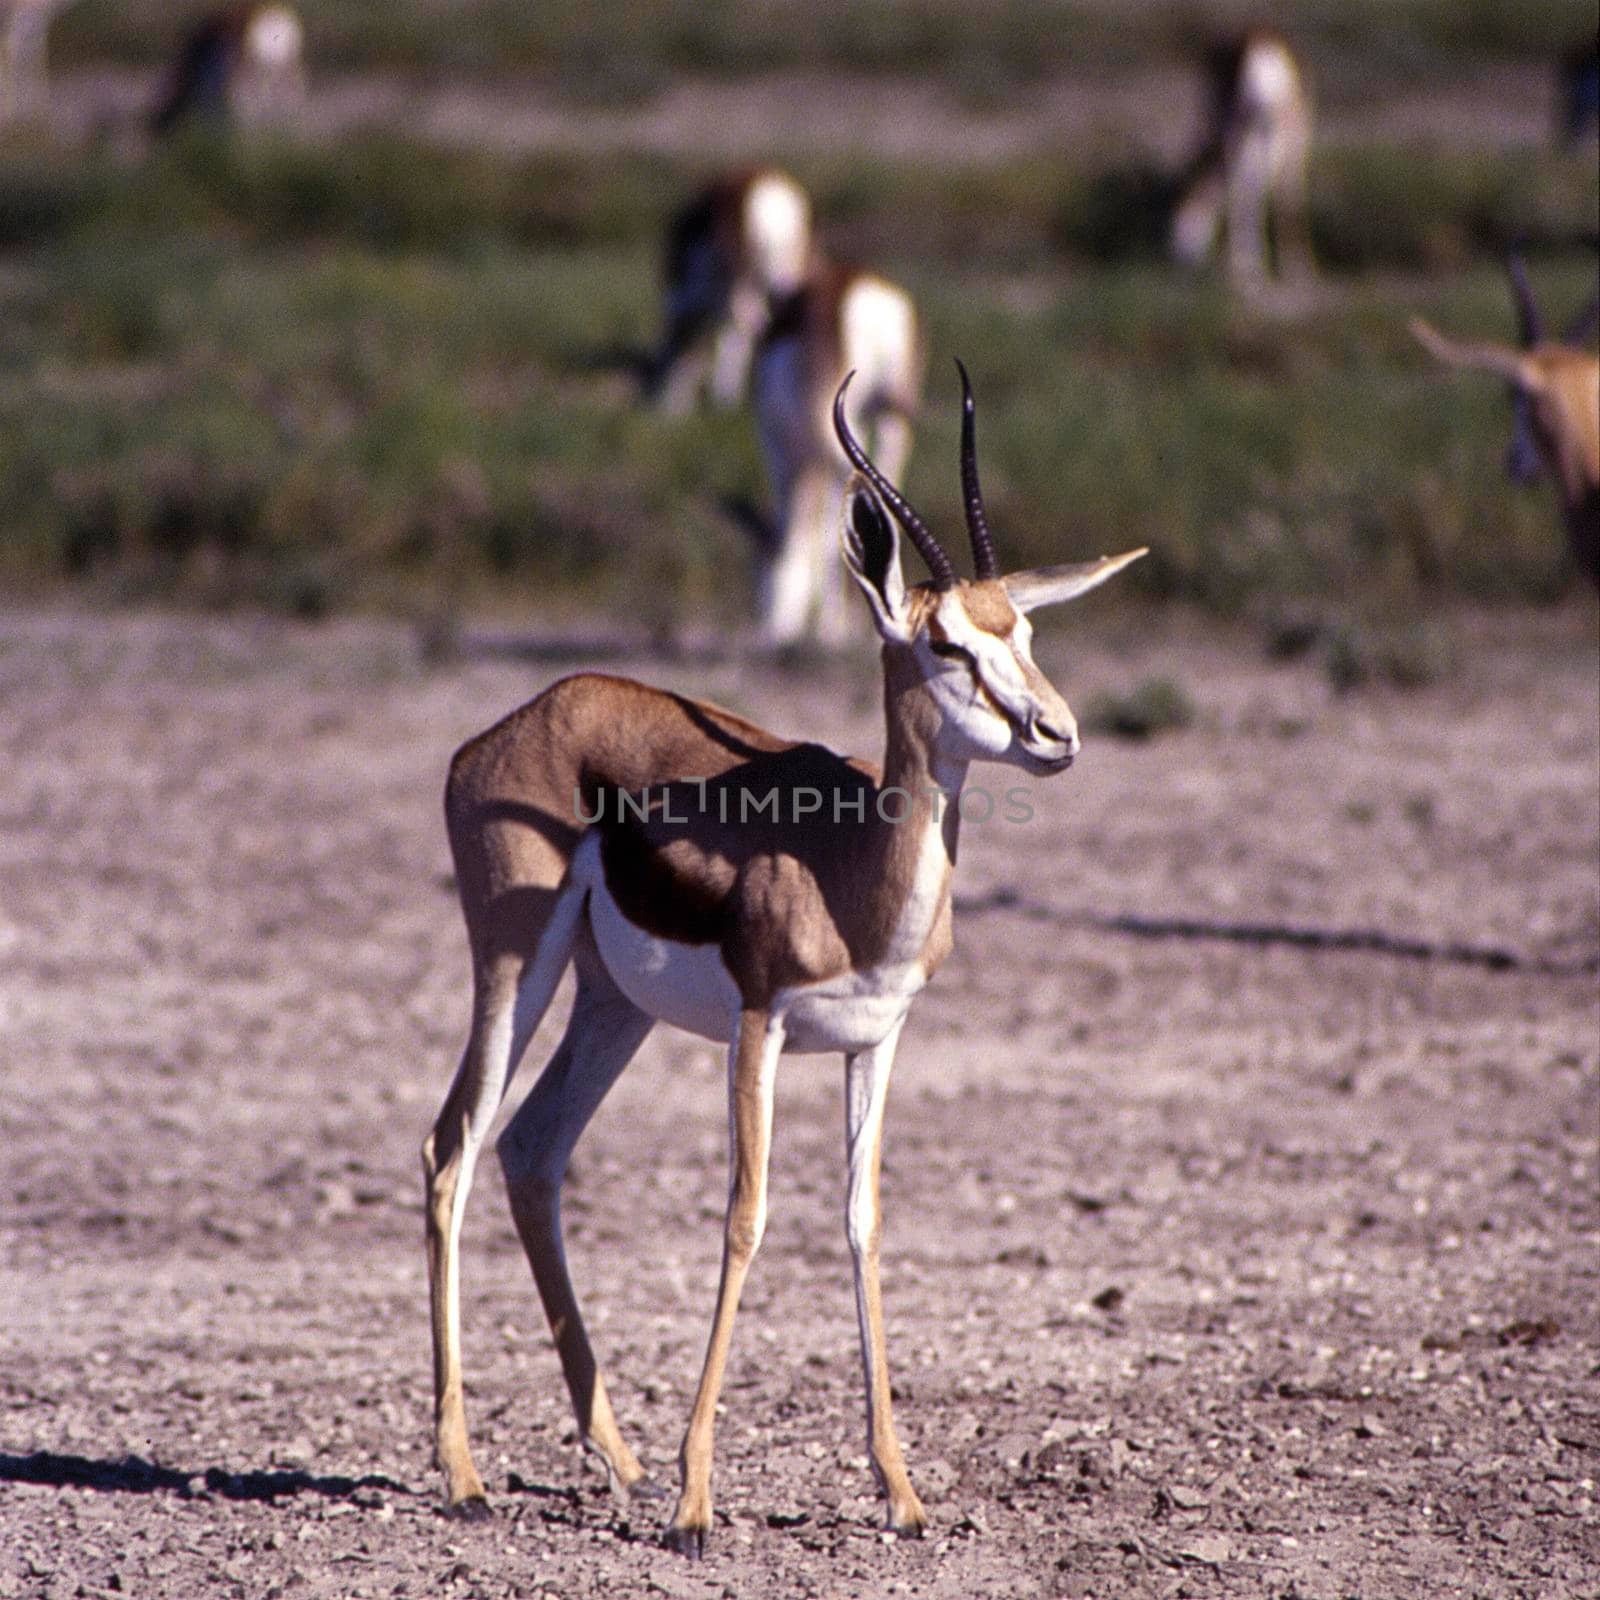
473,1509
689,1542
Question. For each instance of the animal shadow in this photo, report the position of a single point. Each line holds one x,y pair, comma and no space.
135,1475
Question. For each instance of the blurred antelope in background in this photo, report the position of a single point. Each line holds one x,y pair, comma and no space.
1251,160
739,244
807,929
839,321
244,63
24,25
1555,400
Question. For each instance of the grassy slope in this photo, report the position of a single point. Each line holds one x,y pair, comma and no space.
632,47
310,376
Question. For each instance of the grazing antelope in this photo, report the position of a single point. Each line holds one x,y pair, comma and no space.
695,869
1253,156
1577,94
839,320
1555,398
245,61
743,241
24,25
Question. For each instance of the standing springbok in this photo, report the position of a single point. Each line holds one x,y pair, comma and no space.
839,320
244,62
1555,398
1253,155
696,869
24,25
739,244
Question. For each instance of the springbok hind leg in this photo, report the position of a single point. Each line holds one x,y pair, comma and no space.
603,1033
510,996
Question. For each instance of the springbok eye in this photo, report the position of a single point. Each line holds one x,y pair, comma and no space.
952,651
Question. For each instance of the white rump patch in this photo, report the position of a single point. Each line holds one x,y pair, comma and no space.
1269,80
275,37
777,232
878,333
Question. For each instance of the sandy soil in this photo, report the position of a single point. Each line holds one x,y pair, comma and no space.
1215,1265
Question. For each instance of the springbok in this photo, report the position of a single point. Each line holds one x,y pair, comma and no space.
695,869
244,62
839,320
1555,399
24,25
739,244
1253,154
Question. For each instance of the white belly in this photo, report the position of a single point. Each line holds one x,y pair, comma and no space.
684,984
689,985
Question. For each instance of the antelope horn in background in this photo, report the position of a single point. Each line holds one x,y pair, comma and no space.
1584,323
1529,324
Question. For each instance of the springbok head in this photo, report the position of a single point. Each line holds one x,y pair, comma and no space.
1537,370
1522,456
968,641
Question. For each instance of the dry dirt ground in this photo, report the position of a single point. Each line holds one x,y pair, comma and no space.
1216,1264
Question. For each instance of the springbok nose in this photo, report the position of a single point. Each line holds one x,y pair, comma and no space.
1050,730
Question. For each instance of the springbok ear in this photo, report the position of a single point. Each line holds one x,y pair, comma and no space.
872,553
1500,359
1049,586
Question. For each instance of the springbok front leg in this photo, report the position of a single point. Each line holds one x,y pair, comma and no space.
603,1033
510,996
866,1089
752,1079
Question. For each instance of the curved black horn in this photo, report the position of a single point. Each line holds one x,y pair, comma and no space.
1529,324
944,575
1583,324
984,561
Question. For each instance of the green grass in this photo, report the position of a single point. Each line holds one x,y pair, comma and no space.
385,373
987,48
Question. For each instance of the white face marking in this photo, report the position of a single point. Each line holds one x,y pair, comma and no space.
991,709
989,662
